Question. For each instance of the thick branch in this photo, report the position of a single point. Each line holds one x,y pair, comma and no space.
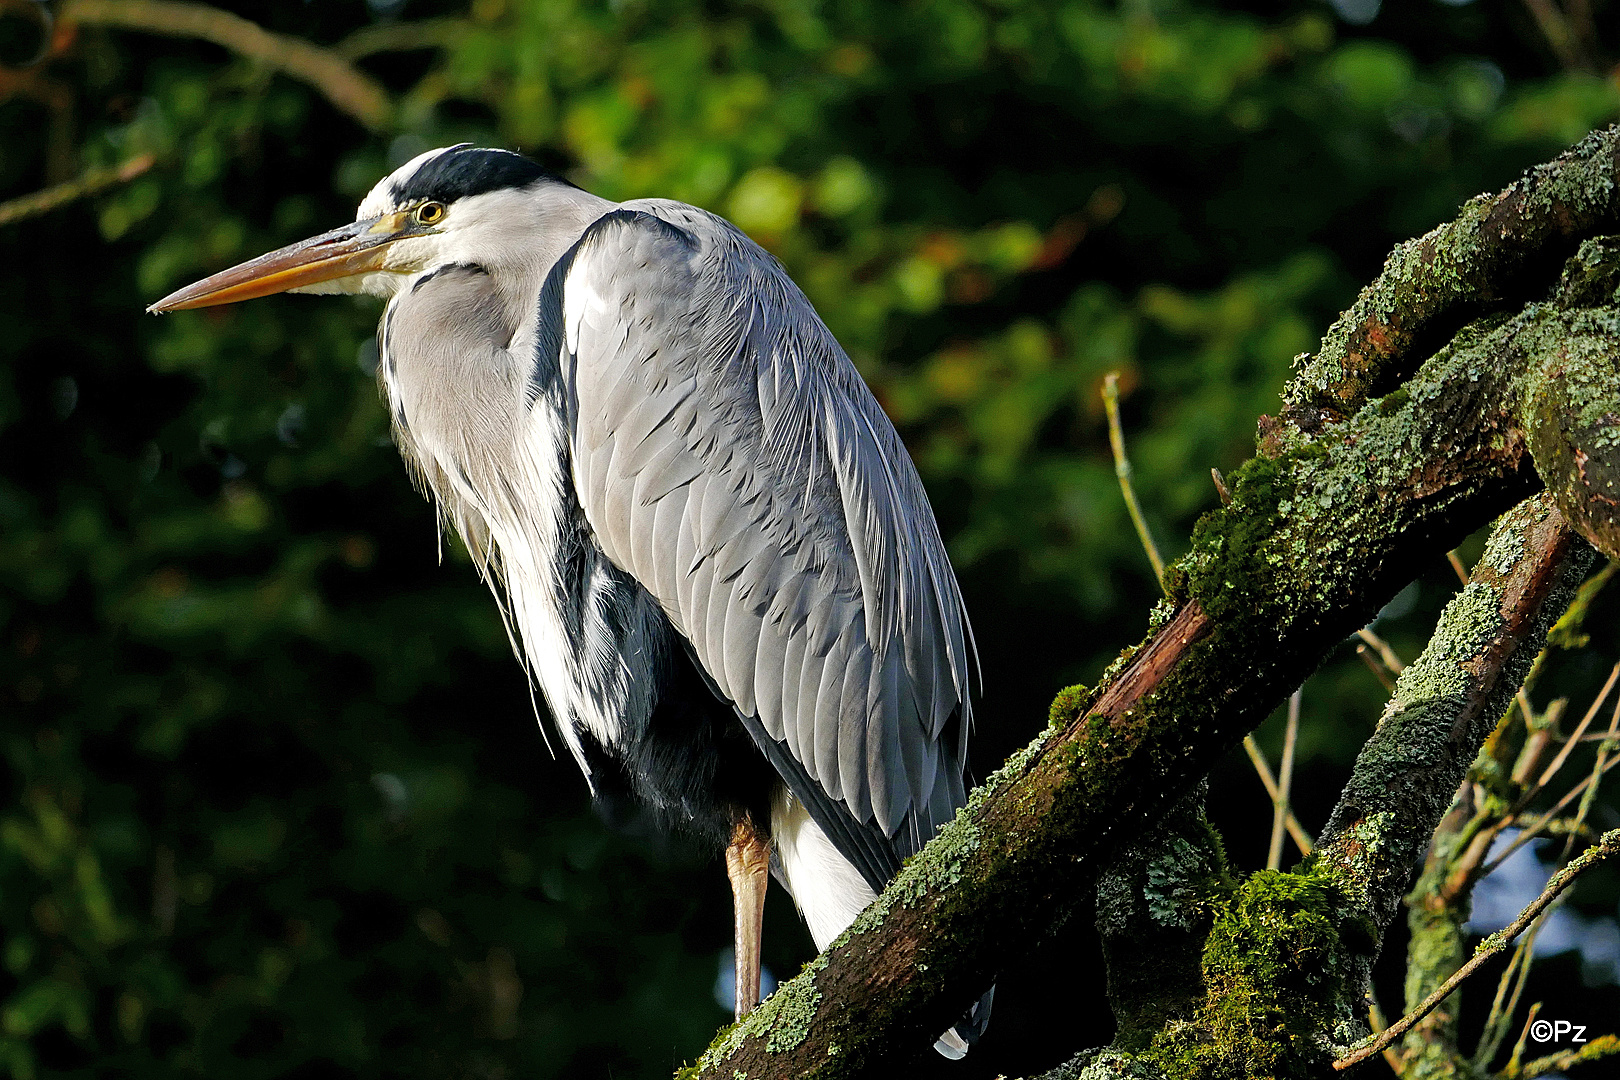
1489,255
345,86
1448,701
1311,545
1571,408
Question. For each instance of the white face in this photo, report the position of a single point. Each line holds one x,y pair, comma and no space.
485,208
472,229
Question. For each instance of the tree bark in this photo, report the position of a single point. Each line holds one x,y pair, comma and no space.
1323,527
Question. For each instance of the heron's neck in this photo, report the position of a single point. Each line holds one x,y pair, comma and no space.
518,236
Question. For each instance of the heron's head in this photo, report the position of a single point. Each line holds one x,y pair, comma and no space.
455,204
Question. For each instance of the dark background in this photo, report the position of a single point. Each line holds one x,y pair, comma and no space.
273,800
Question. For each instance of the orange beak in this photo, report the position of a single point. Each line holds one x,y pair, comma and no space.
357,248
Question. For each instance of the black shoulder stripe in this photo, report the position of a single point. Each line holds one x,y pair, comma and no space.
468,268
551,335
637,219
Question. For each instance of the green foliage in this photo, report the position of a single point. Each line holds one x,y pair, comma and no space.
274,802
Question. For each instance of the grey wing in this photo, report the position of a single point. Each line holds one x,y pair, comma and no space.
728,455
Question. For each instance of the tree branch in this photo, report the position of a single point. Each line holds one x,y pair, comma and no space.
87,184
1447,701
1500,248
1320,532
345,86
1607,847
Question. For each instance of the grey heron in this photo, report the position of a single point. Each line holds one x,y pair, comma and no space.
711,547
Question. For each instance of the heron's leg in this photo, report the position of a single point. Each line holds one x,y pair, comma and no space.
748,864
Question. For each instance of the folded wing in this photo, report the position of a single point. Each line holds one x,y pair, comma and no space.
727,454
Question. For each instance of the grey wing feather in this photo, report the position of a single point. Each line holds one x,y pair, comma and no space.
804,565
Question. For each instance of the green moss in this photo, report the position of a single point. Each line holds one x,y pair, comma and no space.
1393,401
1104,1064
1066,706
1155,904
1274,965
790,1025
1231,565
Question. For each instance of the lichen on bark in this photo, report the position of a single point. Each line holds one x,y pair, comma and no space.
1324,526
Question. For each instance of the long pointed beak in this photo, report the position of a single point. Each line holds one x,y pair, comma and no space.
356,248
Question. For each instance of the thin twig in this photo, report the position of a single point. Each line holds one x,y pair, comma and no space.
87,183
1385,653
1608,845
1379,671
1580,729
1524,1033
1122,469
1457,566
1561,37
1496,1023
401,37
1376,1021
1600,1047
1302,839
344,85
1530,831
1285,783
1555,827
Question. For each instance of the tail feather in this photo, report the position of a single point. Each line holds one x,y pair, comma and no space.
830,892
955,1043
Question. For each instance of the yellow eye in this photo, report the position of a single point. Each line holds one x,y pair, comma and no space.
430,213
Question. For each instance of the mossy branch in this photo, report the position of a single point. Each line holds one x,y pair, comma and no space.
1498,251
1447,701
1321,531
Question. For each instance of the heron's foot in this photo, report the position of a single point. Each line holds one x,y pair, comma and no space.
748,864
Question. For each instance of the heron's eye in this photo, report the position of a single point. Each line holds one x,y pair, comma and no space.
430,213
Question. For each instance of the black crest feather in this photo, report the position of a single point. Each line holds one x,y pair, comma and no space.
468,170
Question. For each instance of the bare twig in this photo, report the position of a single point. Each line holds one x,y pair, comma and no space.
1385,653
1122,469
1540,823
351,90
1560,35
1606,847
88,183
1380,672
1376,1021
1302,839
1496,1023
1524,1033
1285,783
1580,729
1457,566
